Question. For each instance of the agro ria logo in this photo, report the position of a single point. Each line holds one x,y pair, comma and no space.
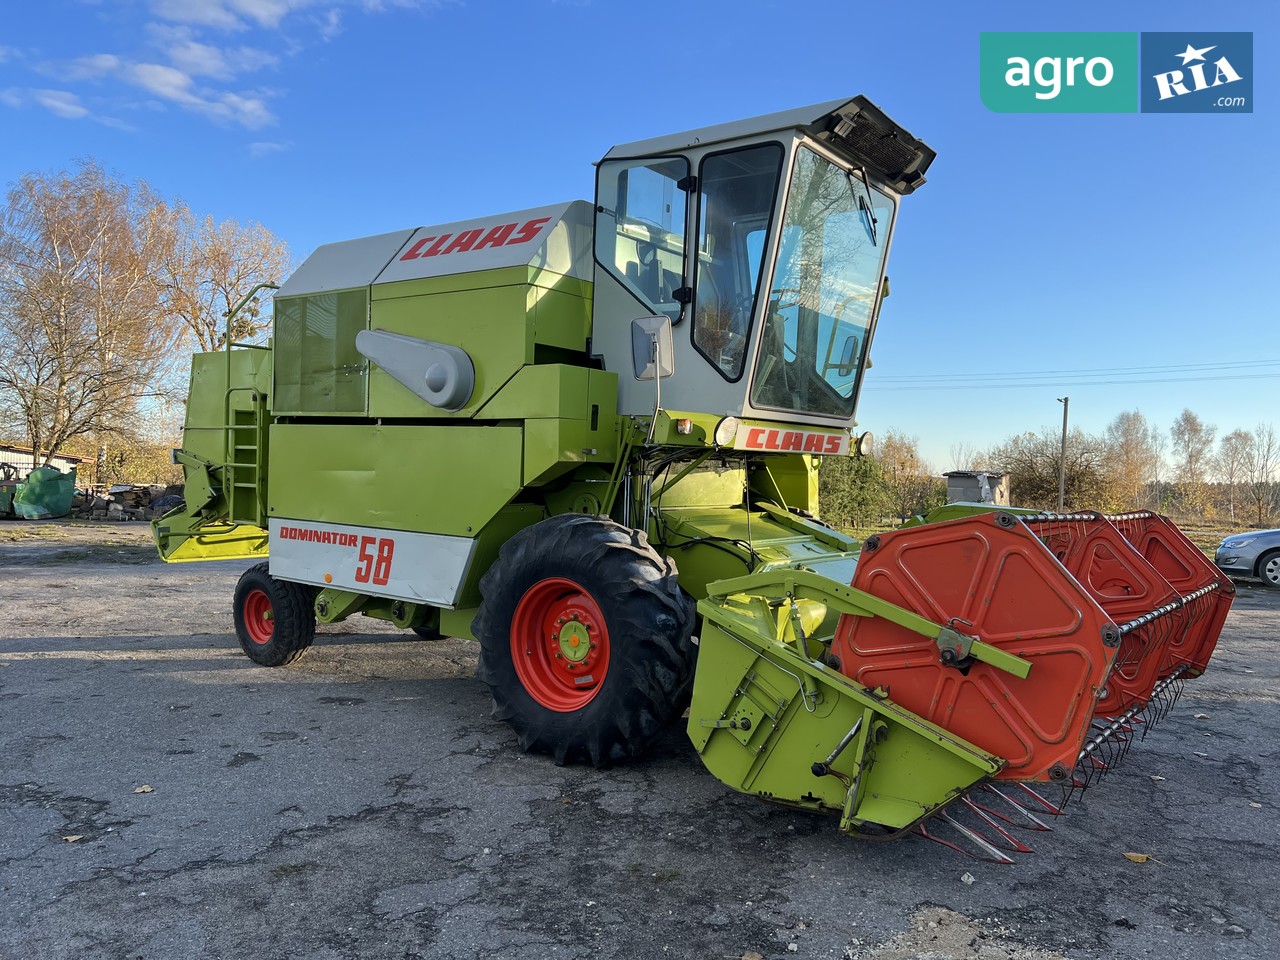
1174,83
1197,72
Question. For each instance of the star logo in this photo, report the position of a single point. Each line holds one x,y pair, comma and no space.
1191,53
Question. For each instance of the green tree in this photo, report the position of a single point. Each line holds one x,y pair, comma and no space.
1032,459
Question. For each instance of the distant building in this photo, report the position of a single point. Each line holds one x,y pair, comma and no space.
977,486
24,459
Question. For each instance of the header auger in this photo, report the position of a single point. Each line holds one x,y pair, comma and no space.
586,436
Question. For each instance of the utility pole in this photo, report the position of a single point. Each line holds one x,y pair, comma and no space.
1062,458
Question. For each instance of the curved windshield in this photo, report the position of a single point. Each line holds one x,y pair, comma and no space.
835,233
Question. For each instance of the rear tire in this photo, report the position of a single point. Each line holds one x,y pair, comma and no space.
1269,569
585,639
275,619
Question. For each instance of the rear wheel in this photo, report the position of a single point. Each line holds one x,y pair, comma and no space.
1269,568
275,619
585,639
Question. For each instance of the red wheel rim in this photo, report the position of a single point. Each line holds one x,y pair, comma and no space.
259,623
560,644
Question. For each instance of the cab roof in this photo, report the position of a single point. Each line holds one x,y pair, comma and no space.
854,127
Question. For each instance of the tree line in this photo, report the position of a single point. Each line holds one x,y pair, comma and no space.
1190,472
105,288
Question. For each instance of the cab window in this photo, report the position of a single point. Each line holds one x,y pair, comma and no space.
640,227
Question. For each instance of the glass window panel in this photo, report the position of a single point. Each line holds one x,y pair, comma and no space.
640,227
834,238
737,195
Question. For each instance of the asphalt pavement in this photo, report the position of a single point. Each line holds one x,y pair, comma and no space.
162,797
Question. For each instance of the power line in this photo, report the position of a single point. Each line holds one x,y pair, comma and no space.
1055,376
970,385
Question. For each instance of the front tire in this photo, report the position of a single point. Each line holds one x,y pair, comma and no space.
1269,569
585,639
275,619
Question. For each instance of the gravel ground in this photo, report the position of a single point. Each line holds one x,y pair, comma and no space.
363,804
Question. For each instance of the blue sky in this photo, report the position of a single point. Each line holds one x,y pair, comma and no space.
1144,247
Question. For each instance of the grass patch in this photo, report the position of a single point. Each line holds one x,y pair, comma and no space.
17,531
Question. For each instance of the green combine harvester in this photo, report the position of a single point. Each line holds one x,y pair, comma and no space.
587,436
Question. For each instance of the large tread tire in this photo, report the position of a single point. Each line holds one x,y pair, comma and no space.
648,678
275,619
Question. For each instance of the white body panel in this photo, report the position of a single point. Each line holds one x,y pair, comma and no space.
556,238
417,567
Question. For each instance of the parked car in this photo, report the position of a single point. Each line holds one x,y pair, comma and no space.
1252,554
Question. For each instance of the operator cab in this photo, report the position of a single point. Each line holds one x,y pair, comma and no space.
764,242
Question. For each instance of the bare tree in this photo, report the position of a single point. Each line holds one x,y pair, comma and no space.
1192,441
1133,454
964,456
1032,459
81,321
1260,462
1229,464
211,267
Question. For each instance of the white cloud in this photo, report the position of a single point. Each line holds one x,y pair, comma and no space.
9,53
268,13
167,82
188,54
265,148
228,14
331,23
60,103
91,67
176,85
206,13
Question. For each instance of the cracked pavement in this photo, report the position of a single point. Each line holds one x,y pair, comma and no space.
362,804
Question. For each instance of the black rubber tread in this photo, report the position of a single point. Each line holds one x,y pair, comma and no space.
1261,568
649,618
293,610
428,633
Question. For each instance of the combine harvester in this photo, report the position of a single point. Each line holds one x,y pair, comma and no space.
587,436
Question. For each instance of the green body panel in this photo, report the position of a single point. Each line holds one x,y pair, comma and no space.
569,414
182,538
500,317
205,433
895,769
959,510
396,476
791,479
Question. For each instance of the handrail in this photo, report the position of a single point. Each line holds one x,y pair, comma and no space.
228,428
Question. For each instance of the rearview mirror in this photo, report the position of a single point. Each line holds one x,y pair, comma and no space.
848,357
651,348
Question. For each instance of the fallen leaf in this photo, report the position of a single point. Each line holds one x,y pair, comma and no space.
1142,858
1156,777
74,837
752,955
145,788
1202,716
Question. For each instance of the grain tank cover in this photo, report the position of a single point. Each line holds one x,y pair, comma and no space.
555,238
